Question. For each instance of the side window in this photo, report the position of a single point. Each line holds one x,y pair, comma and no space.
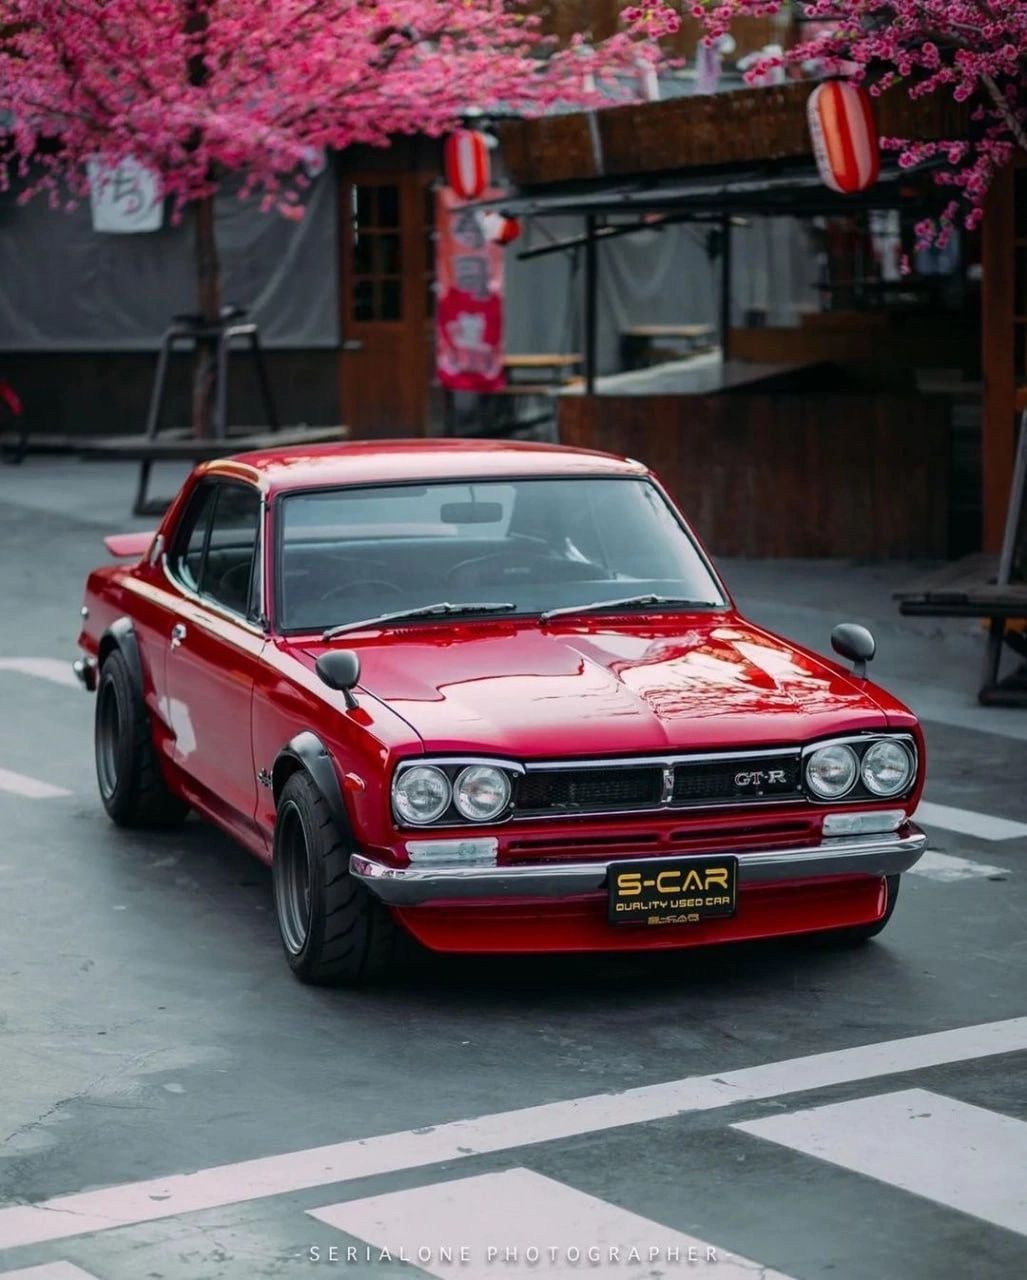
232,548
186,560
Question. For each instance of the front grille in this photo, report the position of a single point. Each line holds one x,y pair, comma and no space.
620,787
589,790
757,778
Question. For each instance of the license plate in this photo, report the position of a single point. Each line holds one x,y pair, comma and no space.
672,890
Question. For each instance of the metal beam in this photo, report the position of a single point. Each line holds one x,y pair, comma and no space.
614,233
591,315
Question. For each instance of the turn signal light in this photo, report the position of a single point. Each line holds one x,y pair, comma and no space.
863,824
477,852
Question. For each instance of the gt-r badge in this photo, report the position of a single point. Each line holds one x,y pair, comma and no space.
757,777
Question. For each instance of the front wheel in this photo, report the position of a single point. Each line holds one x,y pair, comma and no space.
333,931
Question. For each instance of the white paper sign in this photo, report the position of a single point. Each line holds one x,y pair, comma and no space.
124,199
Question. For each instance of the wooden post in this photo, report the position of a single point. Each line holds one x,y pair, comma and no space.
725,286
591,307
998,308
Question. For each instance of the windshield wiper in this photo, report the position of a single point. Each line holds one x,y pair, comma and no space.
441,610
627,602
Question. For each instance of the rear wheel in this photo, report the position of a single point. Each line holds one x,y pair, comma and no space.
333,931
132,786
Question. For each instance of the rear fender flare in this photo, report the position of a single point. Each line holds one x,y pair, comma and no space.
121,635
307,751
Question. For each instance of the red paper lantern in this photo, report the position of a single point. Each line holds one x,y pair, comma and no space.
467,163
500,229
841,125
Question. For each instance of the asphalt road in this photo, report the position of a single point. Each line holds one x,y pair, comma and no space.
843,1115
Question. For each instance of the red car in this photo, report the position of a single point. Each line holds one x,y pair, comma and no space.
494,696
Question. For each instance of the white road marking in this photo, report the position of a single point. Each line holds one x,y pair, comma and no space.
968,823
961,1156
48,1271
54,669
947,867
20,784
135,1202
521,1221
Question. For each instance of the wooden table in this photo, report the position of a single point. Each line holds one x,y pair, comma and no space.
545,369
179,444
530,377
639,342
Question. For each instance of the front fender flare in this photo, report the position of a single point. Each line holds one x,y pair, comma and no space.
307,751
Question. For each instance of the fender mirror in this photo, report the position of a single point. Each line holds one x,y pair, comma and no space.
340,669
855,643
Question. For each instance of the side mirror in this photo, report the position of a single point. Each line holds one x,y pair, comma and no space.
340,669
855,643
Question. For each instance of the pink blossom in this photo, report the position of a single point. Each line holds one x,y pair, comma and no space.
971,51
196,88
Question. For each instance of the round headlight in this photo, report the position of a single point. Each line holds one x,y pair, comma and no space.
481,792
421,794
831,771
887,768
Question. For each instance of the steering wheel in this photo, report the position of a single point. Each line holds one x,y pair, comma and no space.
522,558
378,584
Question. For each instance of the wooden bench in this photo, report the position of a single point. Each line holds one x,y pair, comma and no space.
987,586
178,444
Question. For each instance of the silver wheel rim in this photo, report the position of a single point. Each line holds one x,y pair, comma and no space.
108,738
292,879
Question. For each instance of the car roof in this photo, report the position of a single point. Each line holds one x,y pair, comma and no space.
363,462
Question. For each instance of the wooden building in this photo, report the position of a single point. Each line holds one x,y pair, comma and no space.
832,437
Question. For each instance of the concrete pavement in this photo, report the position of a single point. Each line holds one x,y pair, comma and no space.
149,1027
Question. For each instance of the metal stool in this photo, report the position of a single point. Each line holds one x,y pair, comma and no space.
189,330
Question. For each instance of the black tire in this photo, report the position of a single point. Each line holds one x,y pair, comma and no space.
334,933
856,934
131,784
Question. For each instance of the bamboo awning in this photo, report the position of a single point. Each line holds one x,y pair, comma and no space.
743,128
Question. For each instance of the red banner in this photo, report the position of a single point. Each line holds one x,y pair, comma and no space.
469,305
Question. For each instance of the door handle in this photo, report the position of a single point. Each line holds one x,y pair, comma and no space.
178,634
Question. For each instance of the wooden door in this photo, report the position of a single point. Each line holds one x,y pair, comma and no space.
385,304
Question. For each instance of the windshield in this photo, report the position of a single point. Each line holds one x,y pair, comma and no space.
536,545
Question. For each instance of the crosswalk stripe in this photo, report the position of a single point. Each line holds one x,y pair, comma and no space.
53,669
517,1220
947,867
958,1155
966,822
156,1198
49,1271
21,784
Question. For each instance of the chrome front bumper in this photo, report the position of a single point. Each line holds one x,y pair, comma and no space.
878,855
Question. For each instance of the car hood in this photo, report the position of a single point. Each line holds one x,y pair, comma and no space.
530,691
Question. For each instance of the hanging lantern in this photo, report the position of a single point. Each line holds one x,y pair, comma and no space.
841,125
499,229
467,163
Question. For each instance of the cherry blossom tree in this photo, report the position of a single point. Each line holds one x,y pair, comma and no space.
973,50
198,89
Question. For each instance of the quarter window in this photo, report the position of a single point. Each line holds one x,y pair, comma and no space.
216,551
232,547
191,544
